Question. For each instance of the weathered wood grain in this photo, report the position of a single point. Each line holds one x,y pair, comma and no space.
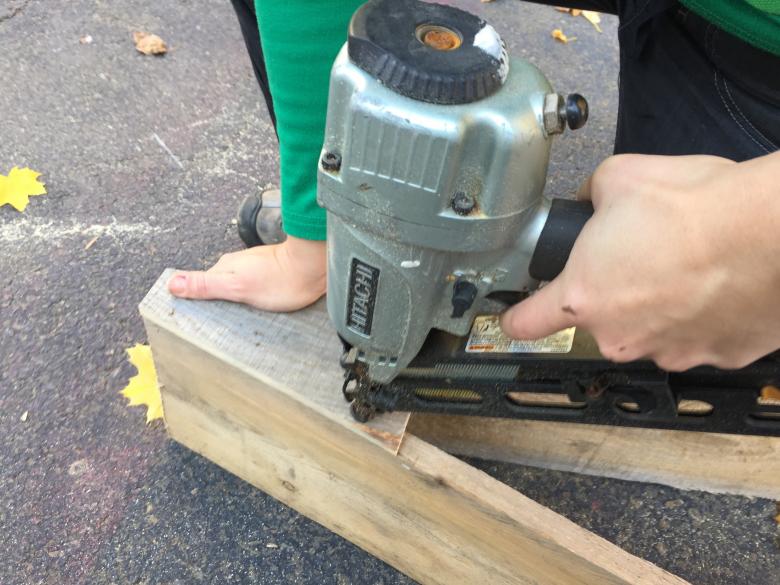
717,463
272,414
294,352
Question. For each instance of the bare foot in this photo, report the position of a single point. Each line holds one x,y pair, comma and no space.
281,278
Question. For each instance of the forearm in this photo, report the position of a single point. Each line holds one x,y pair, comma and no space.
763,176
760,178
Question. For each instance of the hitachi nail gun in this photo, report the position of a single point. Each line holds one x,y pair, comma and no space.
432,172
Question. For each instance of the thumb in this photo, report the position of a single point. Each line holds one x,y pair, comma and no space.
205,285
539,315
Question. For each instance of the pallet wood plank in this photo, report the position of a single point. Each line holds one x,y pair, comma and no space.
717,463
272,414
292,351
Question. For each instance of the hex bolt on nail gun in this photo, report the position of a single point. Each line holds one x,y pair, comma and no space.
432,171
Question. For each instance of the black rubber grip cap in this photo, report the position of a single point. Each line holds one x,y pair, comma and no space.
560,231
385,40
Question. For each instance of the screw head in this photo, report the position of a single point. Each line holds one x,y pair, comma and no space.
463,203
331,161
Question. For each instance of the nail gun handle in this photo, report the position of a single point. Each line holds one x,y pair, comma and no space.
563,225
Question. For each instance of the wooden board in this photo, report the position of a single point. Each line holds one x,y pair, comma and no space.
717,463
259,394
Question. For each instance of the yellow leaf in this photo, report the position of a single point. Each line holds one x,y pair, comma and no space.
593,17
149,44
143,389
558,35
18,186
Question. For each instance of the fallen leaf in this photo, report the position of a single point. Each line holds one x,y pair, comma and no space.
86,40
143,389
593,17
17,188
558,35
149,44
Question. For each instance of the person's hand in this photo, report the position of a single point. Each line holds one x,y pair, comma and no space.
283,277
680,263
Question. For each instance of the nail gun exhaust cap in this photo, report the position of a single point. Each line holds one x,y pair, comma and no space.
428,52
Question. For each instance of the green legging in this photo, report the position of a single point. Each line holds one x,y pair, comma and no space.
300,41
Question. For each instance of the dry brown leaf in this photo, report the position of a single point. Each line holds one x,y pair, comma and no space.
592,17
149,44
558,35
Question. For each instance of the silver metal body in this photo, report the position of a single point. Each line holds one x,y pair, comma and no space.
395,245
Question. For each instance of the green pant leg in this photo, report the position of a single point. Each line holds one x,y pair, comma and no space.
300,41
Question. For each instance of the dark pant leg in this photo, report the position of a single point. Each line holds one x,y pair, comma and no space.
688,87
608,6
245,10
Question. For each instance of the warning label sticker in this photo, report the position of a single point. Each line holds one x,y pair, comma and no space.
487,337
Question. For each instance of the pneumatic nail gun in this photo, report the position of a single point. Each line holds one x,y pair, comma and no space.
432,172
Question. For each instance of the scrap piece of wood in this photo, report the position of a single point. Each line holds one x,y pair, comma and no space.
293,352
718,463
273,415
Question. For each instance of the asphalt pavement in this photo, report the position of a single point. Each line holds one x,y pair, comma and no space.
152,155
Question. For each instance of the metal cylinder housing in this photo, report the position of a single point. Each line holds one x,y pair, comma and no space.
426,195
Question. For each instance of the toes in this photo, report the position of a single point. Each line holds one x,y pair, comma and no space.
205,285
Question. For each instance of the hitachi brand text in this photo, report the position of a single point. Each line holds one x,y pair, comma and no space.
362,294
